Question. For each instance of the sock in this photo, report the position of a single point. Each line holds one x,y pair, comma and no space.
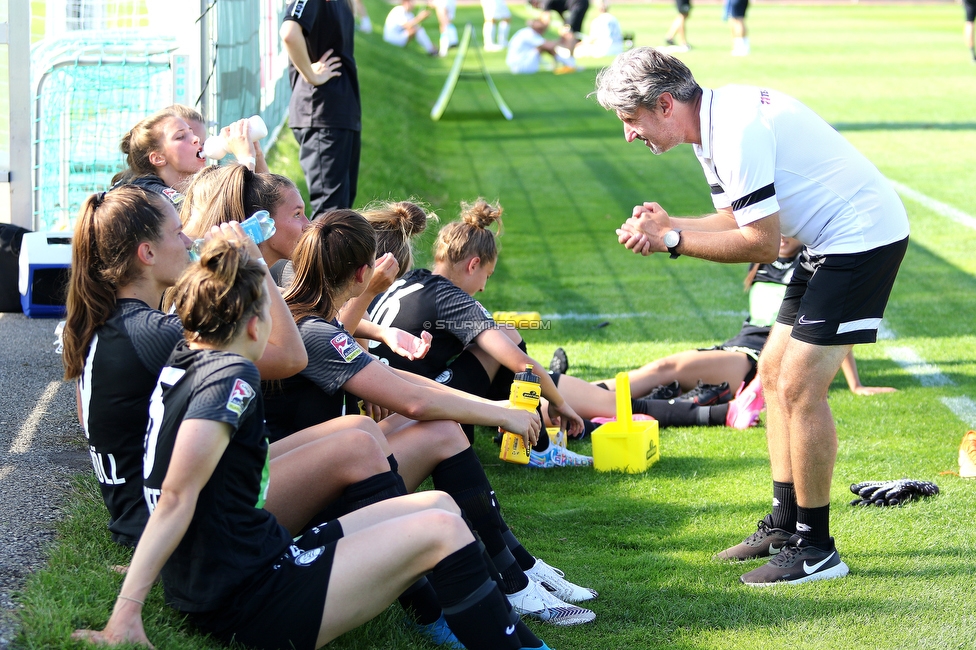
503,40
488,33
445,44
717,414
478,614
525,559
395,468
513,577
784,506
813,525
543,443
671,413
420,602
464,479
374,489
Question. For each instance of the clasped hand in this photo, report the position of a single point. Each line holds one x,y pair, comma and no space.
644,232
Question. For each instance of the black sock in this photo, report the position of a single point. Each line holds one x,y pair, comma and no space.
478,614
784,506
525,559
420,602
395,468
513,577
718,414
374,489
813,525
543,443
669,413
464,479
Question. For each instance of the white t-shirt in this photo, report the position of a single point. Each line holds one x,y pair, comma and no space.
605,38
765,152
393,30
523,54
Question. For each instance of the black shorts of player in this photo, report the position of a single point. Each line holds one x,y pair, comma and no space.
683,6
840,299
970,6
466,373
282,607
737,8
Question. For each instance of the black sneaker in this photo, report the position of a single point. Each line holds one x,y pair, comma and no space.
708,394
669,41
670,391
766,541
559,362
798,562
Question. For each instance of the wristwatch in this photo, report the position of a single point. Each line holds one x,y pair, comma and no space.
671,239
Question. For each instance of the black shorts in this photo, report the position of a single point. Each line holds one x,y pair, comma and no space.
282,607
737,8
683,6
840,299
466,373
970,6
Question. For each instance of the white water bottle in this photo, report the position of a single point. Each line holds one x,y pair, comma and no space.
216,145
259,227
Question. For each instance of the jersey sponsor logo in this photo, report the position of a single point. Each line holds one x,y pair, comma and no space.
299,8
764,97
172,195
346,346
240,396
444,377
483,310
306,558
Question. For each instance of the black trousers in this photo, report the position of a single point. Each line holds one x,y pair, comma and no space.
330,160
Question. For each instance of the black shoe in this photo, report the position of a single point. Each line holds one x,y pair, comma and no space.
670,391
766,541
559,362
708,394
669,41
798,562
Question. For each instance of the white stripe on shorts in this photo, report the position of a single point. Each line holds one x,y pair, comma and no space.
858,325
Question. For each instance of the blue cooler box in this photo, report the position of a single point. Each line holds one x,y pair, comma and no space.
45,266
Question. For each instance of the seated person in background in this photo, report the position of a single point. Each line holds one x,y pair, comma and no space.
708,375
401,26
526,47
496,11
605,37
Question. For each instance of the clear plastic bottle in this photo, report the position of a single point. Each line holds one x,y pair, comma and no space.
216,146
524,395
259,227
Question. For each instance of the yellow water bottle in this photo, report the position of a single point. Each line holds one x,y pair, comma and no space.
525,395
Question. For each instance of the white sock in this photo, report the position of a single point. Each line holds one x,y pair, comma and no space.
445,43
488,33
503,32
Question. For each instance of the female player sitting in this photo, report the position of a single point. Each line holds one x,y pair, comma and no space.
468,349
225,561
333,263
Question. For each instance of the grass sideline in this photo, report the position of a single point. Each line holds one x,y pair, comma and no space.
898,83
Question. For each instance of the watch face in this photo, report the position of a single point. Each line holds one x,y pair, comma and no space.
671,238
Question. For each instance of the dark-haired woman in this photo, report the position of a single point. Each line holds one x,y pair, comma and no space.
333,263
225,561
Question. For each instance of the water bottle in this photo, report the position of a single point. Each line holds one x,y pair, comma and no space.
259,227
524,395
216,145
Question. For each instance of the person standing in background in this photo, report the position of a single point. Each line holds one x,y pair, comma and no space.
324,112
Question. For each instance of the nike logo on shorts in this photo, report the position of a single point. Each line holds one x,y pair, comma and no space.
509,630
803,321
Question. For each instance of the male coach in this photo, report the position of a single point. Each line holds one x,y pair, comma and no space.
774,167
